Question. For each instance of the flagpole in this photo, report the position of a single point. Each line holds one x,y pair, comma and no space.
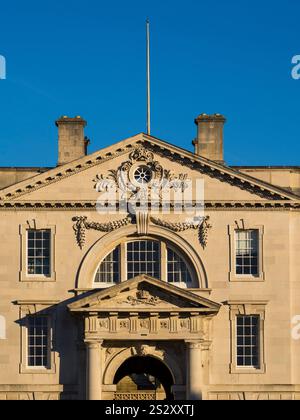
148,80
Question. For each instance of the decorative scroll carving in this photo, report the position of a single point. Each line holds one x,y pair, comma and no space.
143,350
143,297
141,154
82,224
203,228
122,179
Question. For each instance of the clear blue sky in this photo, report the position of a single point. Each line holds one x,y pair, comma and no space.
87,58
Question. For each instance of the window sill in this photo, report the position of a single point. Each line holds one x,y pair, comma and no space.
25,370
25,278
247,279
247,371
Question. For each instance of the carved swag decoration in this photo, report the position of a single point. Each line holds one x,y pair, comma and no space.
122,180
203,228
82,224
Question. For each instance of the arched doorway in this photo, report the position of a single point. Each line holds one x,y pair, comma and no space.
144,378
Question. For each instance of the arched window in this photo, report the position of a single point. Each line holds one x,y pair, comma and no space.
178,271
109,270
156,259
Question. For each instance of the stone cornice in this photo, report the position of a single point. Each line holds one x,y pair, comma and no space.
61,172
185,158
37,302
247,302
216,170
93,301
92,205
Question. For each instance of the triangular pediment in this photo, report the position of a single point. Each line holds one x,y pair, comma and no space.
144,294
76,179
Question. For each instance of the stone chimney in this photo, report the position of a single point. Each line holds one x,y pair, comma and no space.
72,144
209,141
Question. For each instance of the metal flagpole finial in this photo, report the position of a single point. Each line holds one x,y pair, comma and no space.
148,79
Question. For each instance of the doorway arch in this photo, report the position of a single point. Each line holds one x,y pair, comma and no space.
145,374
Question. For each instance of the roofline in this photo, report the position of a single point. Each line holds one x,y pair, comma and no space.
84,163
266,167
25,168
223,167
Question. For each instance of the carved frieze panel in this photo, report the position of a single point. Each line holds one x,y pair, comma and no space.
151,324
123,324
104,324
185,324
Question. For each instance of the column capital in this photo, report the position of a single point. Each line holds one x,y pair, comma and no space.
93,344
206,345
194,344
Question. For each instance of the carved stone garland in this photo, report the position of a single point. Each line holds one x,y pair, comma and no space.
203,228
82,224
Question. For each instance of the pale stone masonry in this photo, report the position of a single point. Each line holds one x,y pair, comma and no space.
149,304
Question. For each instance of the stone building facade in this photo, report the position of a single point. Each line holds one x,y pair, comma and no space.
115,287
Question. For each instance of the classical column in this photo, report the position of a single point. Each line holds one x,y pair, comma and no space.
194,378
94,370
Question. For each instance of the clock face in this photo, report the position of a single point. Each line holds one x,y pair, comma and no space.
143,175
